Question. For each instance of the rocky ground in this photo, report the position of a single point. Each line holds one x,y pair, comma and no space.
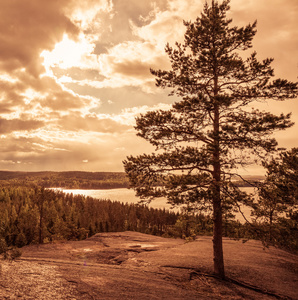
130,265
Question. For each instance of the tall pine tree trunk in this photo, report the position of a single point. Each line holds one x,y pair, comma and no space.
41,208
217,205
41,223
217,233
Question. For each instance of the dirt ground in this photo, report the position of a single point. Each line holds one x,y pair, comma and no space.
130,265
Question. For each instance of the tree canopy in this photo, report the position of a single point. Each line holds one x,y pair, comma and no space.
204,139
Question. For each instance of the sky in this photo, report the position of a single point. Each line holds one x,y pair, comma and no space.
75,74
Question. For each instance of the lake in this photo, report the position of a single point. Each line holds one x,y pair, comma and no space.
123,195
128,196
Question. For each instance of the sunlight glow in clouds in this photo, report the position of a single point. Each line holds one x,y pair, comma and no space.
30,95
7,78
69,53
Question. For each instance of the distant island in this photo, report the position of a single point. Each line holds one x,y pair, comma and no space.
83,180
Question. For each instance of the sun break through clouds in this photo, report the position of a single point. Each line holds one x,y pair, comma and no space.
74,74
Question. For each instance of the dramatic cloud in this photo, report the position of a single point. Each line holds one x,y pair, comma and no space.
74,74
7,126
29,27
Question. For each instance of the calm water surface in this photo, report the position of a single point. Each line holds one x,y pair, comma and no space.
122,195
128,196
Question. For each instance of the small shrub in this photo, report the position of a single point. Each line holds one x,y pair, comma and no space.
21,240
12,253
15,253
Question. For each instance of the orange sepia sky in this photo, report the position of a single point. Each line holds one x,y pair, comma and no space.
74,74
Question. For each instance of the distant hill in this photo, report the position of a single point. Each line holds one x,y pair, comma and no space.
249,180
84,180
254,177
69,180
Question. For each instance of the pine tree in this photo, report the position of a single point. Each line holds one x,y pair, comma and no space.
213,130
277,200
282,176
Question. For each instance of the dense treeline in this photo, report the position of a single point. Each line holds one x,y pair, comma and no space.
30,215
68,180
38,215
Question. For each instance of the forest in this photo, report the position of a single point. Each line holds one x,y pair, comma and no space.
38,215
32,215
